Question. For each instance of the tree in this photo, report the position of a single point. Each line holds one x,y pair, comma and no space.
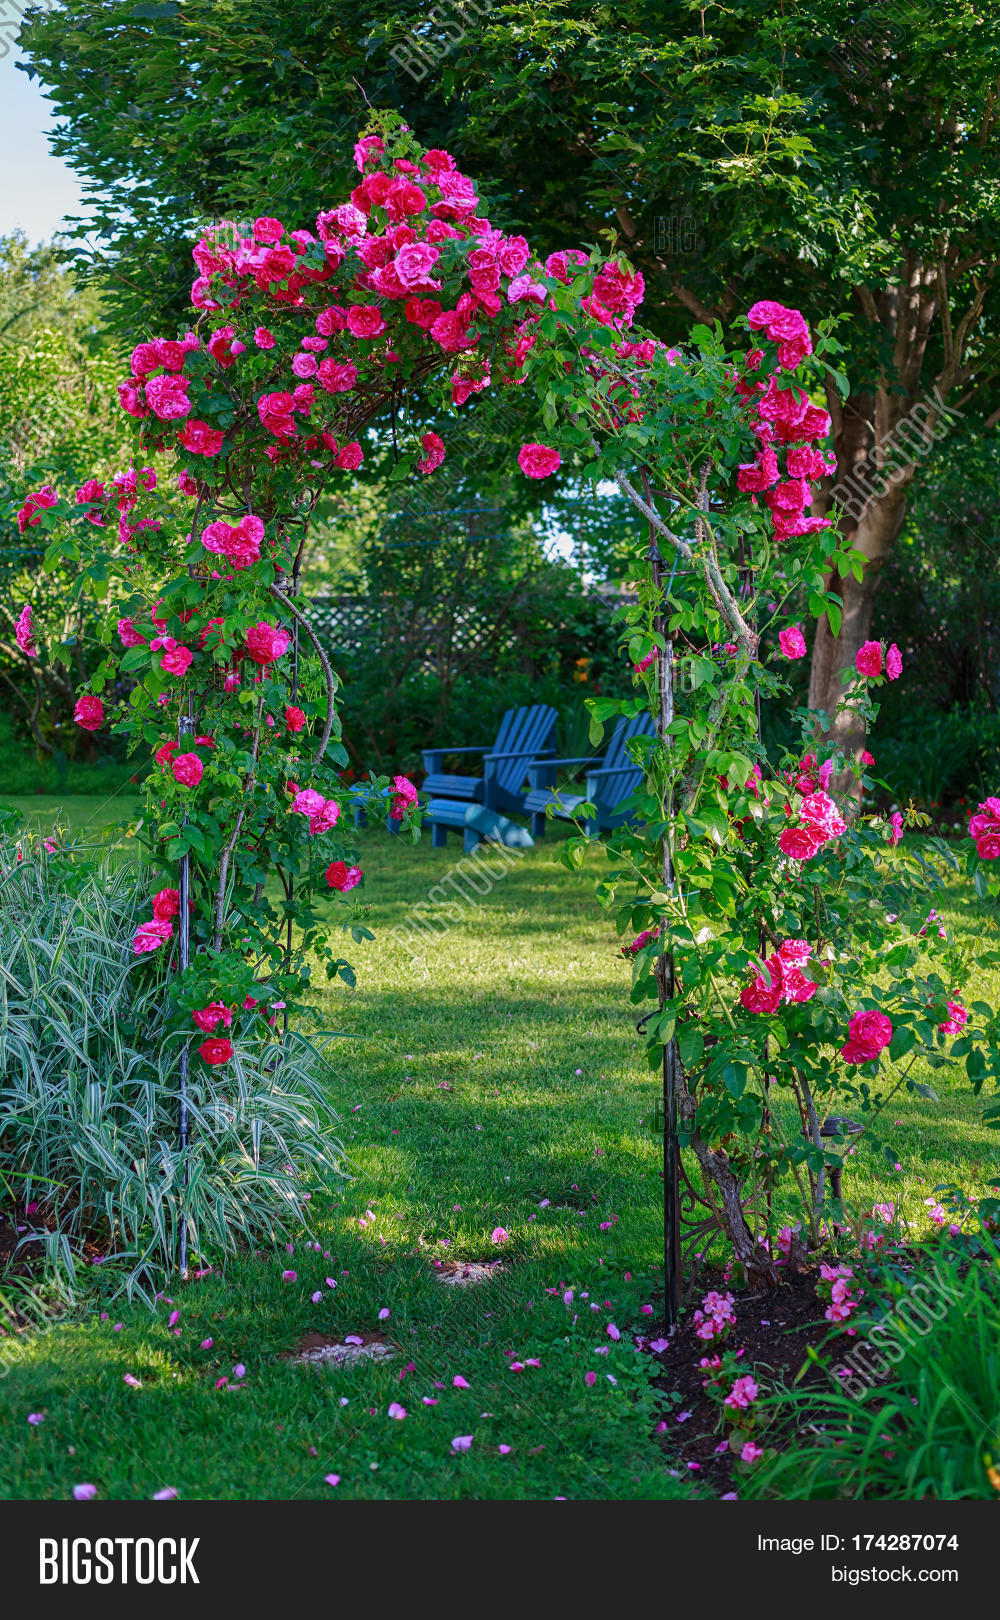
842,156
56,373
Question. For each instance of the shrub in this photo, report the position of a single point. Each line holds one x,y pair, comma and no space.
927,1430
89,1087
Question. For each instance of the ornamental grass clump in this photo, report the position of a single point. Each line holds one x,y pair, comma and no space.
89,1091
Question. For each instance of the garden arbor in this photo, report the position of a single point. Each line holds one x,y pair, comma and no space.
734,869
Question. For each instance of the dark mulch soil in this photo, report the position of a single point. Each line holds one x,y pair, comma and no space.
774,1329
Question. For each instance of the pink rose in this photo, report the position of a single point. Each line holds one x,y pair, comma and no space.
295,720
350,456
89,713
324,818
167,397
187,769
415,262
868,1033
538,460
149,936
216,1050
403,795
266,229
24,633
335,377
266,643
896,827
365,320
176,661
263,338
959,1017
210,1017
307,802
201,440
792,642
166,904
304,365
869,659
800,843
342,877
435,452
894,663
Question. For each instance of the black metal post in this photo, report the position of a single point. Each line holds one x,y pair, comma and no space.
671,1150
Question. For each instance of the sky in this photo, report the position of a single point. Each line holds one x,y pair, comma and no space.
37,190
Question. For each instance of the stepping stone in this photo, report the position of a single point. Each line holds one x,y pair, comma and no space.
463,1273
317,1348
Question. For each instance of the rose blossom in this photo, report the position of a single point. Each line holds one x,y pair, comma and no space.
216,1050
894,663
295,720
208,1018
869,659
187,769
955,1022
176,660
266,643
149,936
403,795
868,1032
200,439
792,642
89,713
341,876
166,904
24,633
307,802
538,460
800,843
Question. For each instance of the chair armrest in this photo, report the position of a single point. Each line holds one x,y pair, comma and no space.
583,760
606,770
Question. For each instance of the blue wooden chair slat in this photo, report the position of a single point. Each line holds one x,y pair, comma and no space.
524,735
610,781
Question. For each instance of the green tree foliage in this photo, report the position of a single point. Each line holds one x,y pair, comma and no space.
56,372
837,156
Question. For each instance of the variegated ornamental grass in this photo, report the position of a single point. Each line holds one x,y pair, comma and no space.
88,1089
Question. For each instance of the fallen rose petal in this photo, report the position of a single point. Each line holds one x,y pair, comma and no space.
590,1379
239,1371
168,1494
332,1479
504,1450
461,1442
659,1345
206,1344
173,1318
397,1411
317,1296
458,1382
612,1331
84,1493
132,1381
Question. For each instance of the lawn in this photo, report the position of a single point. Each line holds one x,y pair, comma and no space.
492,1079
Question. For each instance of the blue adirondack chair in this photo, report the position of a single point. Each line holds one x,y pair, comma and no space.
609,781
525,735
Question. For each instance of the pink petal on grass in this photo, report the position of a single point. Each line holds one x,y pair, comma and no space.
461,1442
612,1331
84,1493
383,1314
173,1318
132,1382
239,1371
429,1400
34,1418
397,1411
458,1382
659,1345
317,1297
590,1379
504,1450
168,1494
332,1479
206,1344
